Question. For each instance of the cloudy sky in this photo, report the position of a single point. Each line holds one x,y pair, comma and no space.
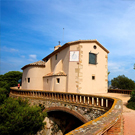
31,28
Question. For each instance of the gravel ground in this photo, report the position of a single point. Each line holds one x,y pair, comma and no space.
128,114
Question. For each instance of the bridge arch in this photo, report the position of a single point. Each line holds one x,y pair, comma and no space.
77,115
66,119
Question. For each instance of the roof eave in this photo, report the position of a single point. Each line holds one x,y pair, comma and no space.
71,43
32,65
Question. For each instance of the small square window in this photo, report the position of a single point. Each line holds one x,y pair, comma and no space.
93,77
58,80
56,57
28,80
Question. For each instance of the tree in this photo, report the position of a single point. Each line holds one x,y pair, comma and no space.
3,95
17,117
123,82
10,79
134,66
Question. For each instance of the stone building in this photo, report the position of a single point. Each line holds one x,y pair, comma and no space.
76,67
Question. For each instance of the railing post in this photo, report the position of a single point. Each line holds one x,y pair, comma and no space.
102,102
97,101
76,98
80,99
106,102
92,100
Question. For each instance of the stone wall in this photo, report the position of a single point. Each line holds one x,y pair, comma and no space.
88,113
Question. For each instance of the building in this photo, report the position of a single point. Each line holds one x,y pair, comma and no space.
76,67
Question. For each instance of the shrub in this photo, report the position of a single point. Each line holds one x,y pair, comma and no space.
131,105
18,118
132,99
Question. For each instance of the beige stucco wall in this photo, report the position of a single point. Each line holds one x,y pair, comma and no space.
61,64
80,75
47,68
61,86
36,78
58,67
63,57
100,71
50,83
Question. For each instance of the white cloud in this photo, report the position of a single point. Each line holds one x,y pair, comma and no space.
7,49
32,57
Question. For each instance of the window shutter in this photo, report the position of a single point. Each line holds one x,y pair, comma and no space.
92,58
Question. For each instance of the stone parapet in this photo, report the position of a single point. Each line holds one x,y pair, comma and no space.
111,108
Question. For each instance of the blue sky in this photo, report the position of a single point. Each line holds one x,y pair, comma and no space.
31,28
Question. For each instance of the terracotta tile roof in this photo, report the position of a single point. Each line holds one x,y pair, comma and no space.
61,73
49,74
38,63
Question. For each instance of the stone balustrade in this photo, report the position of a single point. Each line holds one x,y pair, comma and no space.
73,98
100,125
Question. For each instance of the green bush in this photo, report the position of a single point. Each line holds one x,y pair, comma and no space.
131,105
132,99
122,82
18,118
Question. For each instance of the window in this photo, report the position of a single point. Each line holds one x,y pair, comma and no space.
28,80
94,46
58,80
56,57
47,80
93,77
92,58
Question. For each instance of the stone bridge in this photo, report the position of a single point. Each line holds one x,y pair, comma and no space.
96,114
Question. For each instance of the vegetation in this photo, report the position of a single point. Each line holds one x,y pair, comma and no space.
122,82
131,101
17,117
10,79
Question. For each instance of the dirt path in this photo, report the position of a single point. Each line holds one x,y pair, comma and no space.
128,114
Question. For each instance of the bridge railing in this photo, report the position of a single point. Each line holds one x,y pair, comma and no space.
72,98
98,126
121,91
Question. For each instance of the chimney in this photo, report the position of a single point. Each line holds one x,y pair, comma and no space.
57,47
